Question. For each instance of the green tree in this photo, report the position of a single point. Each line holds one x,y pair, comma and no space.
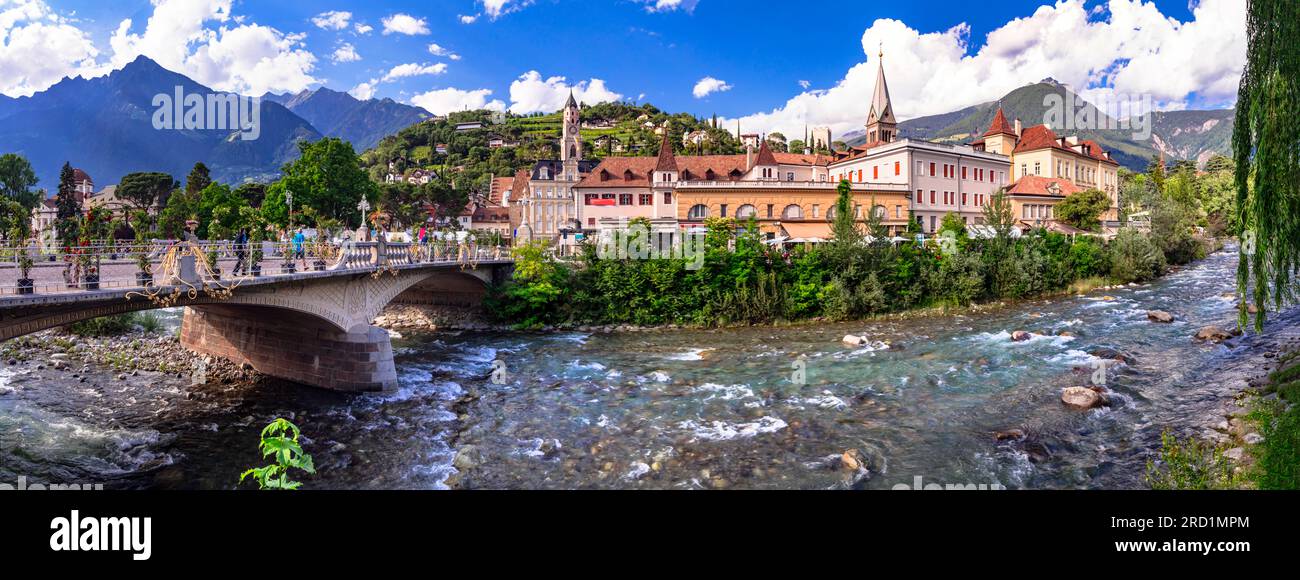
327,177
1265,140
68,209
844,228
198,180
17,181
144,190
1083,209
181,207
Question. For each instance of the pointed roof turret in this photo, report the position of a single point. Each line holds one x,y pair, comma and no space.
572,102
882,109
1000,125
765,156
667,161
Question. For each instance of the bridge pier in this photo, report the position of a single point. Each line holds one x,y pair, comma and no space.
293,347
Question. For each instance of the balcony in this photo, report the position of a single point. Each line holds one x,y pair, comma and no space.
773,184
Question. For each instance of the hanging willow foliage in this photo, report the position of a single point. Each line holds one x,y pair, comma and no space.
1266,144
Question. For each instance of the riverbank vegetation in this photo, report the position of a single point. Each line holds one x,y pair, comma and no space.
861,273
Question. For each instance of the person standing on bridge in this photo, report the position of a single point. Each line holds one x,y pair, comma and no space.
299,247
241,252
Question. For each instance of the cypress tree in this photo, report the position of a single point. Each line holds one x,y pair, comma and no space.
68,208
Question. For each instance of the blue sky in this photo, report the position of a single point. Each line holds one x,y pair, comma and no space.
772,64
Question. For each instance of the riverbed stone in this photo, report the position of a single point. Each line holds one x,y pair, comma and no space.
1253,438
1160,316
853,340
1235,454
1009,434
1213,334
853,460
1081,398
1021,336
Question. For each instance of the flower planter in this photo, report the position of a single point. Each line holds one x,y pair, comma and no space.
25,286
288,268
256,270
91,282
319,265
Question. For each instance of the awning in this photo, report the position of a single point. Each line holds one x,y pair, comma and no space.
807,231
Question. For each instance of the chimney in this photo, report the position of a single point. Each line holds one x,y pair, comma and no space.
1019,128
749,157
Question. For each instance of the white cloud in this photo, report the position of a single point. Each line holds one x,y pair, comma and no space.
531,94
498,8
38,48
364,91
1129,48
669,5
405,24
437,50
468,18
363,29
402,71
449,100
708,86
332,20
248,58
345,53
805,84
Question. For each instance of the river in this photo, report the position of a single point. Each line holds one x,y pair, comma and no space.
682,409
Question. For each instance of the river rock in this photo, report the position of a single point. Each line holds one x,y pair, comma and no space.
467,458
1235,454
1253,438
1082,398
1009,434
1021,336
1213,333
853,460
852,340
1160,316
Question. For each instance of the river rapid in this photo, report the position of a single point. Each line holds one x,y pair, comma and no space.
684,409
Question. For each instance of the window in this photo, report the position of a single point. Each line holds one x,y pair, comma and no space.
625,199
931,197
898,168
646,199
770,207
792,212
932,224
963,198
963,173
857,212
698,212
898,212
722,210
931,170
830,213
591,221
745,212
668,198
816,210
1024,169
1038,168
875,172
879,211
589,198
789,176
859,176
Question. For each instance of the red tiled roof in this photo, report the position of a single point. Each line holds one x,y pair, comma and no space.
765,156
1039,185
1042,137
1000,125
666,161
817,160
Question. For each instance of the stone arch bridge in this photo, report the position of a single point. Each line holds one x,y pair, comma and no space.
308,327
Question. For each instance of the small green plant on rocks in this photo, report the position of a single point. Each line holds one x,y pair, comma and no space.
280,440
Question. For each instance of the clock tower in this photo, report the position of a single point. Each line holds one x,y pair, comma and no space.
571,139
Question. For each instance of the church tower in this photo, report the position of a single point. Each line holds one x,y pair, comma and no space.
571,138
881,124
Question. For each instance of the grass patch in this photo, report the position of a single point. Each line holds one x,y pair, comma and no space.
1190,463
1278,456
1286,375
1088,285
116,325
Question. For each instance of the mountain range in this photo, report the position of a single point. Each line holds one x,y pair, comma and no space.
1194,135
105,126
362,123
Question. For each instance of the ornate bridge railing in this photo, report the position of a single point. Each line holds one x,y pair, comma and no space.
113,266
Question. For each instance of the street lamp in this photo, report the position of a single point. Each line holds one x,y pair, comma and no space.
288,198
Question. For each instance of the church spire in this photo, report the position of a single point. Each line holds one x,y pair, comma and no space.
882,126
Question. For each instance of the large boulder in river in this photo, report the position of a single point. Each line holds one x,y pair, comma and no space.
1213,333
1082,398
1160,316
853,340
1021,336
853,460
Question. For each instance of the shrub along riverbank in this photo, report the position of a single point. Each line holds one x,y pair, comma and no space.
858,275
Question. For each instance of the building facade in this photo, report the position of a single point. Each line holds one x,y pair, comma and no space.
1040,153
549,206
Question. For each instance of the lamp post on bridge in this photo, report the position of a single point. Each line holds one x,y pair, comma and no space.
364,206
288,198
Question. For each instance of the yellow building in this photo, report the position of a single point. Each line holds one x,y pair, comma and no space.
801,210
1039,152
